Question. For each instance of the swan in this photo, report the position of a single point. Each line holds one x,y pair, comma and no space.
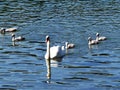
100,38
3,30
11,29
54,52
69,45
20,38
92,42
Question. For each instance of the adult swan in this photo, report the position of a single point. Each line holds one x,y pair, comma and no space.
55,51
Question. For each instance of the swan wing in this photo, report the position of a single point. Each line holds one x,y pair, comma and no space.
102,38
20,38
56,52
11,29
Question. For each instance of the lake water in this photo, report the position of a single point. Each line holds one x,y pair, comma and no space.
23,67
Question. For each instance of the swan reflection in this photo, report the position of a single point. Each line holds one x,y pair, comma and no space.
93,46
52,63
56,62
48,68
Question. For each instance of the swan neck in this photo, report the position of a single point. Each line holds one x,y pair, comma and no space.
13,38
97,38
89,42
48,49
66,45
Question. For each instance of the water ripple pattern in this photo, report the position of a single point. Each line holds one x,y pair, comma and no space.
23,67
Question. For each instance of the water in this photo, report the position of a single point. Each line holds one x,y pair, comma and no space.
23,67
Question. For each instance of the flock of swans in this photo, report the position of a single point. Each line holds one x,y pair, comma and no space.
59,51
97,40
53,52
9,30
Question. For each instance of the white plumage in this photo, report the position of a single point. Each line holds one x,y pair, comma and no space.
92,42
4,30
55,51
11,29
100,38
20,38
69,45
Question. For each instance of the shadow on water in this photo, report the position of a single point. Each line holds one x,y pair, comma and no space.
7,88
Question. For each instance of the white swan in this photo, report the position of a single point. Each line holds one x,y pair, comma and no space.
55,51
69,45
4,30
92,42
11,29
20,38
100,38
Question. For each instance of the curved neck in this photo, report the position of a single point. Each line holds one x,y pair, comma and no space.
66,45
13,38
48,49
13,41
97,38
89,42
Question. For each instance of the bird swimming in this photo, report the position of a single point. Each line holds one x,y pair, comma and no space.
69,45
20,38
4,30
54,51
92,42
100,38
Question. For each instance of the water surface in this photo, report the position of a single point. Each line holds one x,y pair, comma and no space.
23,67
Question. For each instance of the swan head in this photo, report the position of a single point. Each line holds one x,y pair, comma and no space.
13,35
47,38
2,30
89,39
97,34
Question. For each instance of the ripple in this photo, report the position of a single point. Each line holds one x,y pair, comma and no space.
97,73
20,53
27,63
117,48
104,67
41,49
5,58
107,86
7,88
12,52
64,21
20,71
79,78
66,66
102,62
1,48
101,54
36,42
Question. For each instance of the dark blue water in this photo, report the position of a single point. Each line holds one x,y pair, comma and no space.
23,67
